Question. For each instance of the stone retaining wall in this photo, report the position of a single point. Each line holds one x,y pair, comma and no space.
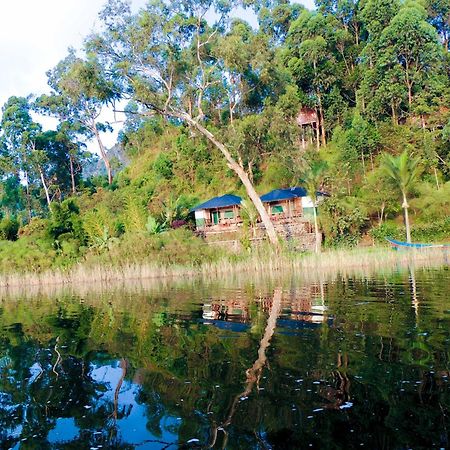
298,236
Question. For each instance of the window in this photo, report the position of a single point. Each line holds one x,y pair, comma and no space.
228,214
277,209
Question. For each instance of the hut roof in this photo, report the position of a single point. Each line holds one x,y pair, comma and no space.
219,202
284,194
307,116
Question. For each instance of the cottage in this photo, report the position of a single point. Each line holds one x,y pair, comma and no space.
291,210
308,120
288,204
218,214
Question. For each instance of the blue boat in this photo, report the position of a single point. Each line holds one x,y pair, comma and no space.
400,245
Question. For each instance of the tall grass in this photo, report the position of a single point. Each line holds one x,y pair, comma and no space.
259,264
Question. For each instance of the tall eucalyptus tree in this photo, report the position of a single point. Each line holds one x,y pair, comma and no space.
18,137
167,59
80,91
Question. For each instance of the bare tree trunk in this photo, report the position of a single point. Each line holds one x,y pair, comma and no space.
409,96
383,206
253,374
44,184
318,134
409,85
394,115
436,178
72,174
363,163
322,120
243,176
103,152
405,207
27,186
413,288
124,366
322,127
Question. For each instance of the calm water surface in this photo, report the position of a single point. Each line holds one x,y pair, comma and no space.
353,363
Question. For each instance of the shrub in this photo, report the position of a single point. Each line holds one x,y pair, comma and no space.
163,166
96,221
387,230
65,219
435,231
26,254
37,227
9,228
342,221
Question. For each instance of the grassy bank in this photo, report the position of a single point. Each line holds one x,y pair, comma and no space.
263,263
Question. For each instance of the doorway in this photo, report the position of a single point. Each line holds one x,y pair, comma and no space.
215,217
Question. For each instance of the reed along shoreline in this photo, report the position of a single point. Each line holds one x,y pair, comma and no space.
329,263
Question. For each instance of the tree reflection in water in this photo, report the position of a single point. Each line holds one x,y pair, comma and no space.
253,374
353,361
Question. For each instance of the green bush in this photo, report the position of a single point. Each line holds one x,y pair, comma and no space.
65,219
9,228
179,247
36,227
342,221
387,230
163,166
26,254
435,231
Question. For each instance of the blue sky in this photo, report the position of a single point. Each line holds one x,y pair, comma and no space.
35,35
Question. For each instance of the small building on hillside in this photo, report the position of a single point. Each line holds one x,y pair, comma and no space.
291,210
218,214
289,204
284,203
307,116
308,120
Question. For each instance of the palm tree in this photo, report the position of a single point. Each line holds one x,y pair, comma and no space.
403,171
312,180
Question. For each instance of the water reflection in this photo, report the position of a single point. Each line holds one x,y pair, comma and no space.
295,365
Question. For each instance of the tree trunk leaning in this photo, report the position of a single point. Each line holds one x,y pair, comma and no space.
243,176
44,184
103,154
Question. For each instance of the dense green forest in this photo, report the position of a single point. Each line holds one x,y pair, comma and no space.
212,107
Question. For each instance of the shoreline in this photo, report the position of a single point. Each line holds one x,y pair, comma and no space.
330,263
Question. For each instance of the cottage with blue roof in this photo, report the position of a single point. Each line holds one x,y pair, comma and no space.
218,213
289,204
290,209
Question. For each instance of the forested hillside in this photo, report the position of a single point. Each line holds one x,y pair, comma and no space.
352,98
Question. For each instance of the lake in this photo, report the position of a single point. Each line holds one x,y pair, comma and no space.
338,363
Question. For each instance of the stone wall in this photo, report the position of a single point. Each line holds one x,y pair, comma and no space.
298,235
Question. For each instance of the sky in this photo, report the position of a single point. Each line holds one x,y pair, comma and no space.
35,36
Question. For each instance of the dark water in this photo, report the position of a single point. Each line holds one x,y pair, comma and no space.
353,363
